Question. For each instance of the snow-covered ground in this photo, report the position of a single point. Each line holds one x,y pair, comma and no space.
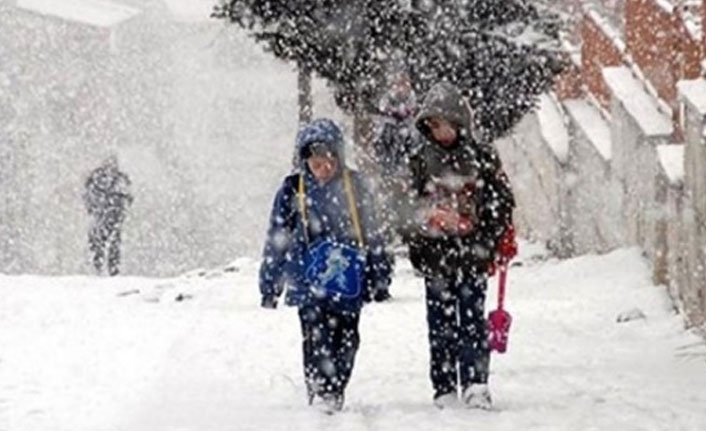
123,354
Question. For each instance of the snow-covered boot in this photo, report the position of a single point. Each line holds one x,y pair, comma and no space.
331,403
382,295
477,396
445,401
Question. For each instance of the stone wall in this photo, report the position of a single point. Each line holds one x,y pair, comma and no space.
540,176
596,196
690,272
624,183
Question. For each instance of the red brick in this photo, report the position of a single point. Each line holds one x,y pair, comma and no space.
598,50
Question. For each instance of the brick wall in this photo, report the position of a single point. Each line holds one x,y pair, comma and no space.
653,42
656,38
703,26
690,53
652,205
569,85
661,45
598,50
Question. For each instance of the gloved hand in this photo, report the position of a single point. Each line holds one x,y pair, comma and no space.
506,250
449,220
507,246
269,302
382,295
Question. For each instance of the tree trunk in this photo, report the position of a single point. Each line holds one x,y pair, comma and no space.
304,90
362,138
304,101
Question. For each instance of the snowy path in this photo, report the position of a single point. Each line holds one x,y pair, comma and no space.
75,356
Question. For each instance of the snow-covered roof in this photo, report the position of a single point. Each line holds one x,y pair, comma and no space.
694,92
191,10
641,106
553,128
671,158
99,13
592,124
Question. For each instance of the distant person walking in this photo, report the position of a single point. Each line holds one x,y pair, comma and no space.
107,197
395,139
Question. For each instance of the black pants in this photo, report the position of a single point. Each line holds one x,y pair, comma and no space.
330,343
458,333
104,244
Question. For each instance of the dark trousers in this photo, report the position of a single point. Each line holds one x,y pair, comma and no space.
330,343
104,244
458,334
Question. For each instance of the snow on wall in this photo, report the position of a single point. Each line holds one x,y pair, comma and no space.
671,158
649,192
539,183
694,92
686,256
630,92
693,100
592,124
595,199
692,13
607,28
552,127
666,5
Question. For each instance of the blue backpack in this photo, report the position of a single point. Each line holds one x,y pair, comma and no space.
334,270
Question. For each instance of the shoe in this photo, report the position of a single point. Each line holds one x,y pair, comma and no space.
445,401
382,296
330,403
477,396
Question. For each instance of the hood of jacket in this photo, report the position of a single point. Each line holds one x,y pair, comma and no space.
322,130
444,100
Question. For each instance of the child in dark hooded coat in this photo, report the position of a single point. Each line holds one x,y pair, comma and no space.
460,222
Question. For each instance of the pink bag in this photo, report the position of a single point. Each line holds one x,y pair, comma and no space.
499,320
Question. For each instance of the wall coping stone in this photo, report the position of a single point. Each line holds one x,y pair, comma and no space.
639,105
671,159
553,128
693,92
592,124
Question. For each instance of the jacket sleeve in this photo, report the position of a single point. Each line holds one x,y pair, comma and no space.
378,270
495,207
122,188
279,243
382,142
419,204
86,195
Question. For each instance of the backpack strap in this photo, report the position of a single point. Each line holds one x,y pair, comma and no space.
352,206
301,195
